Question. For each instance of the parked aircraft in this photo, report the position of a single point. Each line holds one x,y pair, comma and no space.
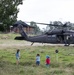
56,36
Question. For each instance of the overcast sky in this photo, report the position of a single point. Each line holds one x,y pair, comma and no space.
47,10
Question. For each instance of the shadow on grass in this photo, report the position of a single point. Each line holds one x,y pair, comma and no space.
27,63
70,65
4,63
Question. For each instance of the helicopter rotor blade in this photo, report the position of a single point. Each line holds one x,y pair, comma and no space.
40,23
62,25
43,23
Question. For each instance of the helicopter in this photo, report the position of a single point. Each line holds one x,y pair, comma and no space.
56,36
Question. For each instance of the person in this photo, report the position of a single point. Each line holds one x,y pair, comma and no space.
37,59
17,56
47,61
56,51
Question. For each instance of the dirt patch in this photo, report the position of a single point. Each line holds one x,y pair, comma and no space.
13,44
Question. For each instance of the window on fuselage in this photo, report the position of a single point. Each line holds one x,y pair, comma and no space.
53,35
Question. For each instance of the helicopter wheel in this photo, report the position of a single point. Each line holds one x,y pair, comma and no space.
66,44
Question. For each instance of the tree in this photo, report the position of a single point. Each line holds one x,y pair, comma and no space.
58,23
8,12
49,27
36,29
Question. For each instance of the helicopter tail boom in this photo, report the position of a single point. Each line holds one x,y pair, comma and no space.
19,38
23,34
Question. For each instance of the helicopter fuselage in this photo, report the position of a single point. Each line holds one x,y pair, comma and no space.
53,39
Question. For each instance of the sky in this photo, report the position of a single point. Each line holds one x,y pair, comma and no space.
45,11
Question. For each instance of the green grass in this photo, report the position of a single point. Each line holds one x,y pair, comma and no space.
63,66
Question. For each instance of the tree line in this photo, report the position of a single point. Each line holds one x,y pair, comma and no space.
60,25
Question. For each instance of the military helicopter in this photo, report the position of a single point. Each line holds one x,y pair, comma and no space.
55,36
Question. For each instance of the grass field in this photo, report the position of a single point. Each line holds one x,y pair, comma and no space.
8,46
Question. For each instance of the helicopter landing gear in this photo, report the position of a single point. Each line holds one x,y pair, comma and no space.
32,43
66,44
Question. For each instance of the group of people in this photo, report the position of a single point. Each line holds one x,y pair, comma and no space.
47,61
